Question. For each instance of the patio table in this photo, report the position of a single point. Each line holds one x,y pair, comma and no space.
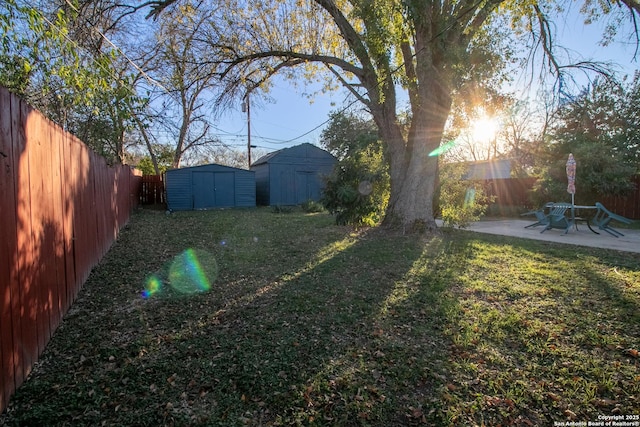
544,216
586,219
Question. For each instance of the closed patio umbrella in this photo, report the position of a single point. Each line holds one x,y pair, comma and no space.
571,177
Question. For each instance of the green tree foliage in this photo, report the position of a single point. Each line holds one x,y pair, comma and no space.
164,157
433,51
347,133
601,127
81,90
357,191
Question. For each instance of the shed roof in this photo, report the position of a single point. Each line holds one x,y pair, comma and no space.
291,151
210,166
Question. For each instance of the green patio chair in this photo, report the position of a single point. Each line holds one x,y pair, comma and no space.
540,214
604,216
558,219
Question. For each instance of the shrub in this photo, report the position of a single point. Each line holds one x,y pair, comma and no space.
461,201
311,206
357,192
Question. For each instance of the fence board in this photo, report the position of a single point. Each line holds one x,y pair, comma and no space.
68,194
112,207
61,274
102,176
8,252
16,289
27,341
40,223
510,192
58,237
62,208
85,227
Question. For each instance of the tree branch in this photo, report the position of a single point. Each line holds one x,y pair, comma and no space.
634,8
546,42
349,33
157,6
349,87
545,39
289,55
410,72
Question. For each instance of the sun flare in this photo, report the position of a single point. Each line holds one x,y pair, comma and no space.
484,129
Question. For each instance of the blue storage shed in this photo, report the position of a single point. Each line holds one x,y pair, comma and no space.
292,176
209,186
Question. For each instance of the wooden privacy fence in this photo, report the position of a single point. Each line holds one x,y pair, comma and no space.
628,206
516,191
152,190
510,192
61,207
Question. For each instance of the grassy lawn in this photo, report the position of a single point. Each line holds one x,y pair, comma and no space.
308,323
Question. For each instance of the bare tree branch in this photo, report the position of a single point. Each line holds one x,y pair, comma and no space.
545,39
634,9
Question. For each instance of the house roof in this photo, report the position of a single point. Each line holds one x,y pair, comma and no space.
490,169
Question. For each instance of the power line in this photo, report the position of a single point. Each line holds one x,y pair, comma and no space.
392,71
268,140
111,72
158,84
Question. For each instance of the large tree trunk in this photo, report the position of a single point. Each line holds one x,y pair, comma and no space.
411,201
414,173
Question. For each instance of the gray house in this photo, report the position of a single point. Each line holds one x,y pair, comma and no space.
292,176
209,186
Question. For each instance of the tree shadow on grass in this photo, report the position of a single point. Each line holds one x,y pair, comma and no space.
355,340
542,337
339,343
613,290
347,333
325,326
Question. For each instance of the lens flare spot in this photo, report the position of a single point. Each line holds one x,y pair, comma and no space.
443,148
365,188
152,287
193,271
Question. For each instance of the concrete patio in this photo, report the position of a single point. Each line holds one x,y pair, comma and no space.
630,242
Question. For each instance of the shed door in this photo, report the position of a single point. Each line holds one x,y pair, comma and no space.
307,186
213,190
287,189
224,189
203,190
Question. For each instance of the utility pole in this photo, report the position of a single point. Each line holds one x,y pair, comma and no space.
247,107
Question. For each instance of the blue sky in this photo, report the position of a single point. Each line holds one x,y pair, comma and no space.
292,118
288,118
